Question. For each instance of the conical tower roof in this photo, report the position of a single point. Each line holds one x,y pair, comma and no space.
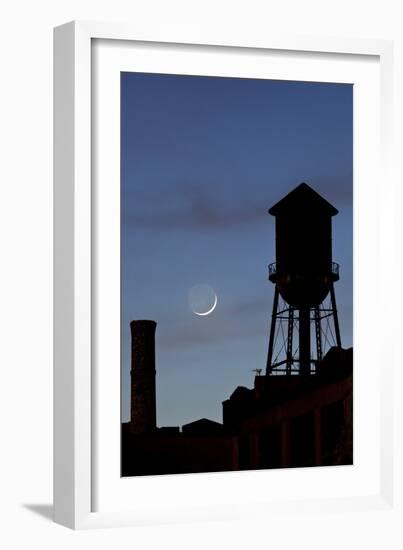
303,198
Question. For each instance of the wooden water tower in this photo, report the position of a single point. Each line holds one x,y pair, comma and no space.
304,275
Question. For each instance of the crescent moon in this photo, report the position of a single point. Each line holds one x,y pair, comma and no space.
210,310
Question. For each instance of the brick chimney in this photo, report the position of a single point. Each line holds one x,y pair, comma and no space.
143,403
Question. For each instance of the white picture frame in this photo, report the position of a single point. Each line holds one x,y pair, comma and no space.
77,390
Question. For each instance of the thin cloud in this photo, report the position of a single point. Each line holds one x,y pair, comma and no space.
186,338
250,307
234,323
191,207
337,190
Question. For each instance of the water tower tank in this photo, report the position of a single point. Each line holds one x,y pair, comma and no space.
304,270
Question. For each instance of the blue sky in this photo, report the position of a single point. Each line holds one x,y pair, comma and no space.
202,159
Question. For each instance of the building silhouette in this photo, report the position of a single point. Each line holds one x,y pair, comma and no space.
300,412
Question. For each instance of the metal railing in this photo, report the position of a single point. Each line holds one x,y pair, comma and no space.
272,269
335,269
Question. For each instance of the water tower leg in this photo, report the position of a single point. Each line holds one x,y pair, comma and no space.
335,317
318,334
272,331
290,334
304,341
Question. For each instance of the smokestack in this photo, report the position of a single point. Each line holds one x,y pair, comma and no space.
143,405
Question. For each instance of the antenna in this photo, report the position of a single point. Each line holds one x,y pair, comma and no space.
258,371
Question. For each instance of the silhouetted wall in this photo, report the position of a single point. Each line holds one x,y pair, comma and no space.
159,453
143,402
294,421
284,421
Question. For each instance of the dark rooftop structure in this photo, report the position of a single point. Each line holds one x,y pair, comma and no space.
303,276
204,426
282,421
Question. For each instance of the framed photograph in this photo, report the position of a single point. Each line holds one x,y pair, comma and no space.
222,225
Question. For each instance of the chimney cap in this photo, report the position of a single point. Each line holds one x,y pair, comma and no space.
143,323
